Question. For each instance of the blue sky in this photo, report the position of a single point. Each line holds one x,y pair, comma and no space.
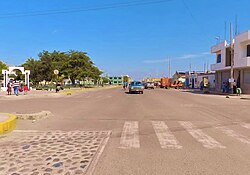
136,40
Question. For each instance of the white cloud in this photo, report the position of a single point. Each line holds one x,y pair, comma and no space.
54,32
156,61
186,56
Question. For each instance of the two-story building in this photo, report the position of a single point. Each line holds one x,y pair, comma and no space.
116,80
241,66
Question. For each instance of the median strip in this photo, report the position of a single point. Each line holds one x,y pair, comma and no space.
8,124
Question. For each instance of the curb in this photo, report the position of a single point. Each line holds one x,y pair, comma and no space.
8,125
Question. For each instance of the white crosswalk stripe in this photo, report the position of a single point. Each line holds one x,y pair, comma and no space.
165,137
130,135
245,125
200,136
234,134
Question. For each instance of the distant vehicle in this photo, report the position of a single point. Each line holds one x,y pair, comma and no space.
136,86
165,83
177,84
149,85
157,84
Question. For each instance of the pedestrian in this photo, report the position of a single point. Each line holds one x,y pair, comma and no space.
25,89
58,87
201,85
9,88
16,87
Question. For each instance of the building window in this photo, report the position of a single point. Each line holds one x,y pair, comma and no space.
120,78
115,78
218,59
248,50
228,56
115,82
246,77
110,78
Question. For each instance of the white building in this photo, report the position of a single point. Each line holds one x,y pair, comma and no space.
241,44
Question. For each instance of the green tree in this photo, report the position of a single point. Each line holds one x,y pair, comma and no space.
2,66
79,66
75,65
105,79
46,65
34,66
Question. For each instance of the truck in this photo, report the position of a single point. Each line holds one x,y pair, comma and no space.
165,82
177,84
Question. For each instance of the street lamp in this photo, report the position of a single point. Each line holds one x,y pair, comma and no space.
56,72
218,39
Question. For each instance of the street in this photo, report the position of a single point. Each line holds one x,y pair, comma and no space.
156,133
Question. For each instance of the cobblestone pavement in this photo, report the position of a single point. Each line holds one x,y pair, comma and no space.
50,153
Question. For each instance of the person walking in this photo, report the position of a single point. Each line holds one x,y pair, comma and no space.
9,88
201,85
25,89
16,87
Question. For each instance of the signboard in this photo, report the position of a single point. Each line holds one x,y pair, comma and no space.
56,72
231,80
182,80
206,81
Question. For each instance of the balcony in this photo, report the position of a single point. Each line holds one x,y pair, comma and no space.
242,62
219,47
219,66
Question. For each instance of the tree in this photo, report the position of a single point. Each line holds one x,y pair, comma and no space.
46,65
75,65
105,80
2,67
79,66
34,66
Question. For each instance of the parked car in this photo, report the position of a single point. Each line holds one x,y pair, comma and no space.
149,85
136,86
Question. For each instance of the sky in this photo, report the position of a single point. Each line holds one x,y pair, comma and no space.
122,37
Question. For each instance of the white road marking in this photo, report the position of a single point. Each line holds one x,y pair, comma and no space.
245,125
200,136
234,134
165,137
27,131
130,135
94,162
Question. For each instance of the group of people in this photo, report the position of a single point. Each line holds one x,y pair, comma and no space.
17,87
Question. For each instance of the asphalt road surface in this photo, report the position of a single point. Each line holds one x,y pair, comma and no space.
156,133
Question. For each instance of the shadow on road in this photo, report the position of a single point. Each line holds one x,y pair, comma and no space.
197,91
134,93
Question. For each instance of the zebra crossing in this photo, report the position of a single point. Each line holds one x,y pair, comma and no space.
130,135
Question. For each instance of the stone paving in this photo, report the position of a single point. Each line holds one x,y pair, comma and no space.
49,153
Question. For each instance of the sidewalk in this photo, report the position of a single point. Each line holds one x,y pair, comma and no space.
211,92
49,94
31,94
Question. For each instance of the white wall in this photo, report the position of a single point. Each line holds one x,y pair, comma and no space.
240,49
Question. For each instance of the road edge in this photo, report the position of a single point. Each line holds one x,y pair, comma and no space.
8,125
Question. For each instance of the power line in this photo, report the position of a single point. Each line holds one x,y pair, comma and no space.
82,9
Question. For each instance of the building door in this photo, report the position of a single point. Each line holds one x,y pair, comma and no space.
238,80
192,83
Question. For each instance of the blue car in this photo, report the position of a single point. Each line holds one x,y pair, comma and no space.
136,86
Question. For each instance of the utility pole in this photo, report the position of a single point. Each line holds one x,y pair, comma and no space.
169,68
232,59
